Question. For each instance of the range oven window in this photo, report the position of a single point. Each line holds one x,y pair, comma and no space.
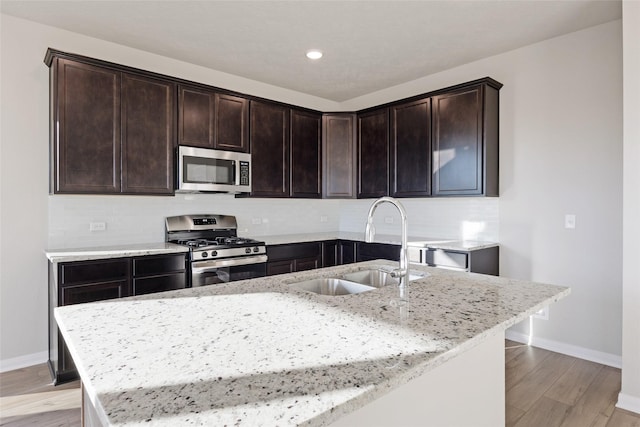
202,170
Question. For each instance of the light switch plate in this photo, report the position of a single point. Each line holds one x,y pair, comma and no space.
97,226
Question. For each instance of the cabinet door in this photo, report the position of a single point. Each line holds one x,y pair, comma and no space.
339,151
458,143
373,154
280,267
148,116
269,139
346,251
305,154
196,117
330,253
232,123
310,263
85,108
371,251
411,149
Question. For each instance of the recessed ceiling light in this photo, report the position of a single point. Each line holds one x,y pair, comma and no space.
314,54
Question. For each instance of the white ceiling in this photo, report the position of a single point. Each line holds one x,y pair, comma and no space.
368,45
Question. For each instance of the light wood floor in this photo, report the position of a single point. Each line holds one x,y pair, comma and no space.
544,389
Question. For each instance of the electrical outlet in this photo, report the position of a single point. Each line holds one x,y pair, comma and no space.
97,226
265,220
542,313
256,221
570,221
388,220
323,218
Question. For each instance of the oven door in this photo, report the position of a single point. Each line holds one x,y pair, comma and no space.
211,272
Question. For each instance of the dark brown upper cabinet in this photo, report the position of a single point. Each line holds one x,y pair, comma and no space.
465,141
339,156
269,139
112,131
209,119
411,149
306,157
148,123
373,153
85,128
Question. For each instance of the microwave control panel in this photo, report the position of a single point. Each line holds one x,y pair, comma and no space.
244,173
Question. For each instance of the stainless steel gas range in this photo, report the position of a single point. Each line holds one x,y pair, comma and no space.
216,253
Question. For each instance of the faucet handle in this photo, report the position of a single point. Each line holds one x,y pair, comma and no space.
399,272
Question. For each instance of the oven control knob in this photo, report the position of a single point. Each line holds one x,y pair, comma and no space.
247,251
214,253
256,249
204,254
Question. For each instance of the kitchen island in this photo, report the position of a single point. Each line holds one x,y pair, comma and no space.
263,352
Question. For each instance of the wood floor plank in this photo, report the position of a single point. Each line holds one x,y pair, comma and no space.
512,415
622,418
34,403
598,399
574,382
518,367
544,412
66,418
534,385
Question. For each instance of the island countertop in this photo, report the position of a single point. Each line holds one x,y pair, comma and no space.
260,352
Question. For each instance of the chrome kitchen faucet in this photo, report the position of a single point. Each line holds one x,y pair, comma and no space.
402,273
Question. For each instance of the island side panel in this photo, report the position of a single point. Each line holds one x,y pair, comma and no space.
468,390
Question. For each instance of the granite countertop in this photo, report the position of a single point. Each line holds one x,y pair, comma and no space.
119,251
414,241
260,352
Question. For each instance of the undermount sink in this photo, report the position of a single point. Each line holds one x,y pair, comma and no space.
378,278
332,287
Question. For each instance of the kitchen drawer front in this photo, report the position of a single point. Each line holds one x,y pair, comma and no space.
79,294
94,271
371,251
441,258
310,263
155,265
153,284
294,251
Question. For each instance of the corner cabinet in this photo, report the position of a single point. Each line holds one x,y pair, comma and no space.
112,132
209,119
339,156
373,153
465,141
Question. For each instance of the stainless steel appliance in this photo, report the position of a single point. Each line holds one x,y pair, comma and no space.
204,169
216,253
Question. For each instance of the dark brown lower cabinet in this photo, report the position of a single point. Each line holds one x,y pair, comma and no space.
338,252
289,258
97,280
371,251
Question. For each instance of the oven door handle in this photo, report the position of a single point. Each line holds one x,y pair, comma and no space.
202,266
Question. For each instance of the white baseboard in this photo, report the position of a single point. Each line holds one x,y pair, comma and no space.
23,361
629,403
568,349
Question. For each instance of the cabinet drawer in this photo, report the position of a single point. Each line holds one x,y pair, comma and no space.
280,267
155,265
441,258
168,282
94,271
294,250
94,292
371,251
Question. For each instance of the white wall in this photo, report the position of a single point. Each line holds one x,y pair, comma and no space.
630,394
561,152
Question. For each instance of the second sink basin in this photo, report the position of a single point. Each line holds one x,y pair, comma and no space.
332,287
378,278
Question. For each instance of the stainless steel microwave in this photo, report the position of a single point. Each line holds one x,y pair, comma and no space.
205,169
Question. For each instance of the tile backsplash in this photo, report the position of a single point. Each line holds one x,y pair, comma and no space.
140,219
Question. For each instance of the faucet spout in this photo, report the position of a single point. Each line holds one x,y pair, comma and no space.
403,271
